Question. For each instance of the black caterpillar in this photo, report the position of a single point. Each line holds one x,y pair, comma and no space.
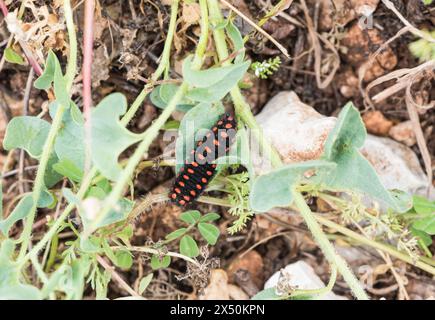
199,169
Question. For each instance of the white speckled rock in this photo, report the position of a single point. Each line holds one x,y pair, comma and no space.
302,276
299,133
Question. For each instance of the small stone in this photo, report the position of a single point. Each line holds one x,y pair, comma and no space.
403,132
376,123
302,276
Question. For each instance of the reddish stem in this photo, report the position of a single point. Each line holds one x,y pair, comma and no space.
3,8
88,46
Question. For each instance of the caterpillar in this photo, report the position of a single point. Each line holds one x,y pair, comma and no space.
199,169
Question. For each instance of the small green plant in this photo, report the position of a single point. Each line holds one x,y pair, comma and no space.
423,49
266,68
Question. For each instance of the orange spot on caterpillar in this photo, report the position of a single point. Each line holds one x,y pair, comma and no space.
190,171
181,183
193,193
224,134
174,195
215,142
228,126
198,186
186,177
177,190
194,164
204,180
182,202
187,198
207,149
209,173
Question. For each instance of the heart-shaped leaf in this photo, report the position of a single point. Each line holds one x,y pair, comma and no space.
28,133
353,171
109,137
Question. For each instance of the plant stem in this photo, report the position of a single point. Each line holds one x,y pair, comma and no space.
165,64
421,263
71,68
155,251
242,108
55,126
328,249
39,180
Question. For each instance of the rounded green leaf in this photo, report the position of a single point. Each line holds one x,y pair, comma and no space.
190,217
209,232
124,259
158,262
188,247
176,234
210,217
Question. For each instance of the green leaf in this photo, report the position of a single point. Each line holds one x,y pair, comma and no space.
60,86
353,171
426,224
145,282
124,260
109,137
237,40
210,217
190,217
20,212
28,133
44,81
176,234
158,262
70,141
423,236
275,188
51,177
68,169
212,84
162,95
267,294
188,247
13,57
209,232
90,244
10,275
202,116
118,213
423,205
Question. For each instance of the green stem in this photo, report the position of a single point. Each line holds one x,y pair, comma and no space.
155,251
203,39
328,249
54,129
165,63
243,110
321,291
39,180
423,263
72,58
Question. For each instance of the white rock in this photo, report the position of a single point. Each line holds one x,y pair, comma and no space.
302,276
299,133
